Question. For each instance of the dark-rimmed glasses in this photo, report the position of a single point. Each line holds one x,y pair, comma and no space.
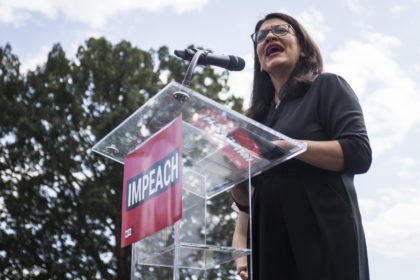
278,30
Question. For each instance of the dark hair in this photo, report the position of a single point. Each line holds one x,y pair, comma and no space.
307,68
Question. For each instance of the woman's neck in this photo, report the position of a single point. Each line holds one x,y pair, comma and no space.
278,80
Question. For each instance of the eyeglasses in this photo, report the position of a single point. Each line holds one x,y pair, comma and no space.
279,30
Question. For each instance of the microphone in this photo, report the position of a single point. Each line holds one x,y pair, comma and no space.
229,62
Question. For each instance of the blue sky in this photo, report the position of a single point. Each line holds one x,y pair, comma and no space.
373,44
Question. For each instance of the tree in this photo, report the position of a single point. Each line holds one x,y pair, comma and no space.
60,204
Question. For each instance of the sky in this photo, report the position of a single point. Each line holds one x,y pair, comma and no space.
373,44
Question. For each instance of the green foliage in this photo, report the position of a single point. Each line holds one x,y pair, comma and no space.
60,203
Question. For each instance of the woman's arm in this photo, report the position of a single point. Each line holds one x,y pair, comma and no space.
346,147
323,154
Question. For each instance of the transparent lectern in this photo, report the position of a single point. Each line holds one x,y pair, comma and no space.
221,148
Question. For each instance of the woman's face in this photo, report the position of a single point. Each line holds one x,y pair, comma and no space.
279,51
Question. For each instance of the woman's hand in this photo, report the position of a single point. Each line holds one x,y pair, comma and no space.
239,241
240,193
242,270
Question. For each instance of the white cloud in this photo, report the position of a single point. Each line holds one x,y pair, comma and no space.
388,97
34,61
314,23
94,12
354,5
405,166
18,11
392,222
398,9
40,58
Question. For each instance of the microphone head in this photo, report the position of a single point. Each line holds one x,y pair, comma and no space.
179,53
186,54
236,63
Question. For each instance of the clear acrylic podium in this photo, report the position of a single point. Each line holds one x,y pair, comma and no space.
221,148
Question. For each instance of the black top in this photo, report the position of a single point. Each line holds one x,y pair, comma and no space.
306,220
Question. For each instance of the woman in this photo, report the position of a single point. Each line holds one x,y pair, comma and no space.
306,219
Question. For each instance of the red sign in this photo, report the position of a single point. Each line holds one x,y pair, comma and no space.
152,190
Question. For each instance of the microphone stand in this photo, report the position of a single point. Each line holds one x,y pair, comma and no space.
193,63
183,96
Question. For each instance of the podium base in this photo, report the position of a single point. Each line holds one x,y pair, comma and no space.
192,256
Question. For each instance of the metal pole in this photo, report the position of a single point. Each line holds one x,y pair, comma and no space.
193,63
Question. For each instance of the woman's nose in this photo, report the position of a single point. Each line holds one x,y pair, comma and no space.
271,36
